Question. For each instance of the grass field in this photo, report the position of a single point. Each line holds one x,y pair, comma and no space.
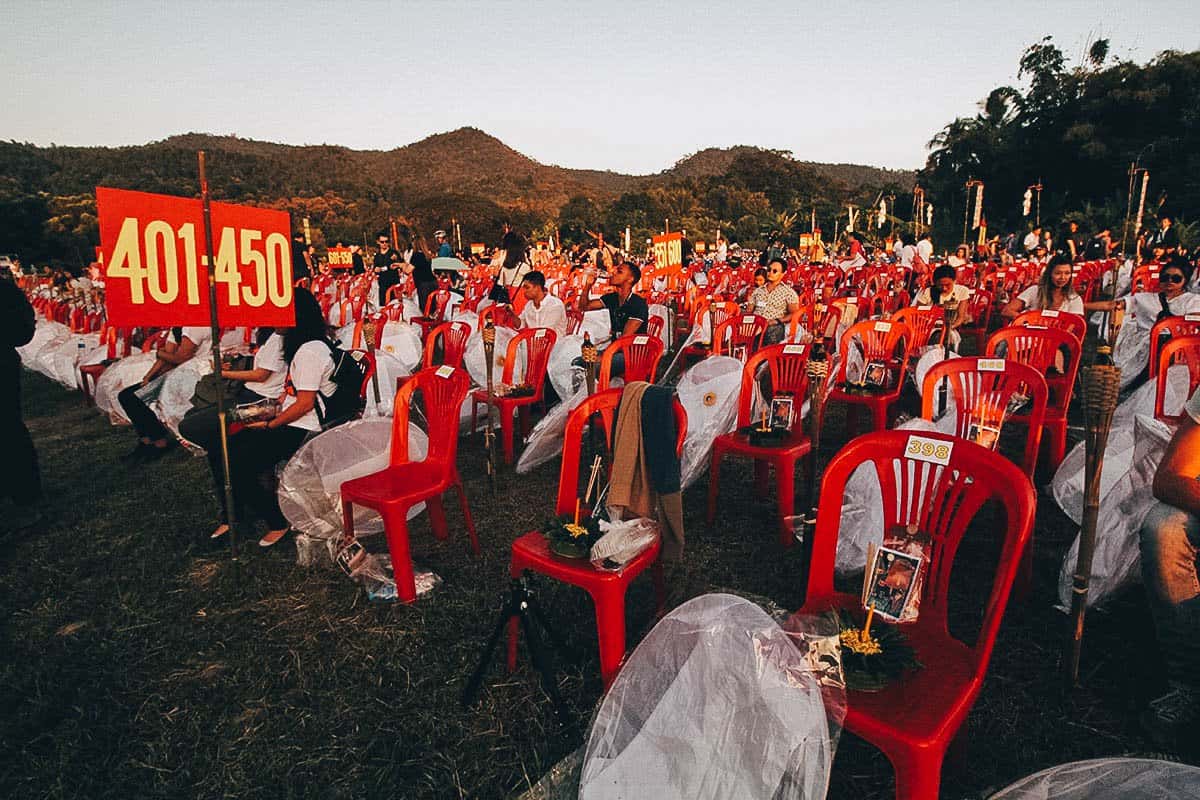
138,661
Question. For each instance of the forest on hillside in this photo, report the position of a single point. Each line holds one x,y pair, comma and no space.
1076,128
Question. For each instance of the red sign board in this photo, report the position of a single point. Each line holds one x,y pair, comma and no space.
340,258
155,273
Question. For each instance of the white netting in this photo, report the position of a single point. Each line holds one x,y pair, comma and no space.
310,484
178,388
62,359
388,370
1108,779
716,702
564,376
403,341
45,333
476,364
545,441
709,393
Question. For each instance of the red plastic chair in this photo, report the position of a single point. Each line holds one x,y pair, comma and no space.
403,483
914,720
884,341
607,588
538,344
94,371
1039,348
453,336
500,315
380,319
717,312
744,330
435,308
1049,318
642,353
1186,351
980,308
927,323
785,363
1167,329
654,326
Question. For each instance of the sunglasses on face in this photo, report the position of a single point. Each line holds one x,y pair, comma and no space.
1174,277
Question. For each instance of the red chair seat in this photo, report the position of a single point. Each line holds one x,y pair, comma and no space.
399,483
796,445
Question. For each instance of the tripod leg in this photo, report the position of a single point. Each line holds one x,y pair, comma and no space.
556,639
510,610
544,665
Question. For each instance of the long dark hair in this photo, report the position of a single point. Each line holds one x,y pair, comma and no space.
309,327
514,249
1046,290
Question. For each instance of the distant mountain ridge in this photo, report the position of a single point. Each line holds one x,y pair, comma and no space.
466,161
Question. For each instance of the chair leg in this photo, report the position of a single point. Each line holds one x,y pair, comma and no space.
714,477
395,528
347,521
514,571
437,517
506,433
879,416
785,490
918,772
467,519
610,630
1057,435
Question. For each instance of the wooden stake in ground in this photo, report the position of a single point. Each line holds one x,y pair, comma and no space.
489,435
1101,384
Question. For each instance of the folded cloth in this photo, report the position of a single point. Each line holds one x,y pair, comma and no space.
635,486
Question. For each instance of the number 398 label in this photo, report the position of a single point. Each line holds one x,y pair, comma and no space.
935,451
156,273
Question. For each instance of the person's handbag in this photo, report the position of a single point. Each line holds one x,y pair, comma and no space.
211,385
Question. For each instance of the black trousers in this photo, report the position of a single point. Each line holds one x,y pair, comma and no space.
387,279
20,478
253,455
201,426
144,422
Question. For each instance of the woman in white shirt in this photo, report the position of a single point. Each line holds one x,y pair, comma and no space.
254,452
1052,292
510,265
263,381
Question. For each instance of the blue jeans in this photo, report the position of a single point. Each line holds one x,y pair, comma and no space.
1170,543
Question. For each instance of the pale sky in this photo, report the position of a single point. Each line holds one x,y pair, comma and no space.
627,86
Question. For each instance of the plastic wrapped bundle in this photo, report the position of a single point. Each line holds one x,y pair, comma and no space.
709,393
564,376
598,324
344,338
310,484
178,389
474,360
411,309
470,318
64,358
663,313
125,372
96,355
389,369
716,702
545,441
45,334
1108,779
403,341
1131,351
931,357
1067,484
1123,507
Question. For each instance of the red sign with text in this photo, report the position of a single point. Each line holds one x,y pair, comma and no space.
339,258
155,273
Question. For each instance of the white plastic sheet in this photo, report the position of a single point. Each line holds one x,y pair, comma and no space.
545,441
403,341
178,388
125,372
709,393
1108,779
716,702
1117,559
45,333
310,484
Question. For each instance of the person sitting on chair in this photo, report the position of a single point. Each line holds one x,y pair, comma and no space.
543,310
948,294
154,439
1170,543
775,301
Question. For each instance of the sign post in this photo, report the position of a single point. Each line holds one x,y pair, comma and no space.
152,264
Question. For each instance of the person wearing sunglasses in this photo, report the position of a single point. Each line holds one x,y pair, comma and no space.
388,262
1142,310
775,301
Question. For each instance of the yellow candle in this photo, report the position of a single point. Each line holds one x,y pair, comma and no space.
867,626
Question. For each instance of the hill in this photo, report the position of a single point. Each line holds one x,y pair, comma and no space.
465,173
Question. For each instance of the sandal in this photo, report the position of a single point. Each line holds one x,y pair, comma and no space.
273,537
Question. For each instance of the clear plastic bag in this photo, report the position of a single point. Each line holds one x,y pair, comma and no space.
125,372
622,541
709,394
545,441
311,481
1108,779
716,702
